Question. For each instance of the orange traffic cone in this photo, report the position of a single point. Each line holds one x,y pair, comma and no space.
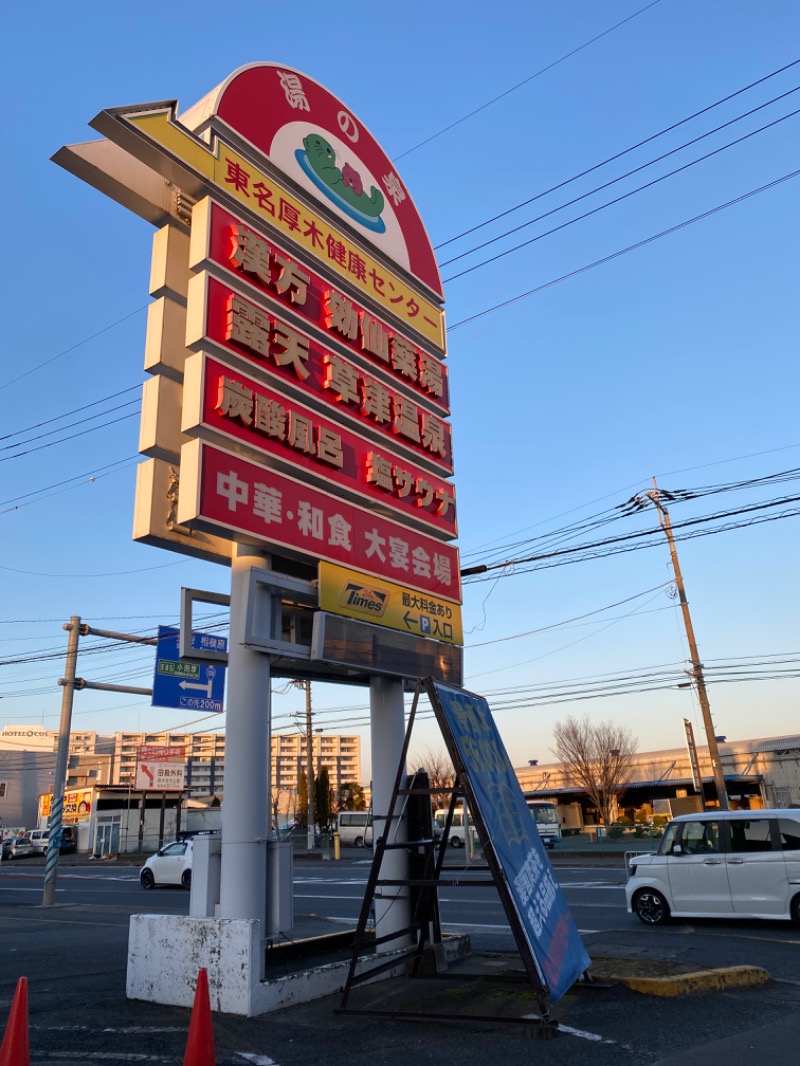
14,1049
200,1045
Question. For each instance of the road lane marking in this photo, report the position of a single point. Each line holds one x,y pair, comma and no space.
595,1037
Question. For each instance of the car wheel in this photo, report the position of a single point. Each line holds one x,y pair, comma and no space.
651,907
456,842
359,842
795,910
146,879
186,878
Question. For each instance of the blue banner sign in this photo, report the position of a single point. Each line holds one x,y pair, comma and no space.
497,801
188,685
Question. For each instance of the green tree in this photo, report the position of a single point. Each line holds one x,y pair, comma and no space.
323,807
302,800
351,797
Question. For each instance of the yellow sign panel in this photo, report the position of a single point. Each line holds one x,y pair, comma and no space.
270,201
77,806
371,599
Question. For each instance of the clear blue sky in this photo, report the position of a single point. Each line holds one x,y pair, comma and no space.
678,359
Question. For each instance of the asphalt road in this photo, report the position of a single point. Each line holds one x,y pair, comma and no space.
74,956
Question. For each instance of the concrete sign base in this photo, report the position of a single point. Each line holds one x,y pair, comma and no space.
166,951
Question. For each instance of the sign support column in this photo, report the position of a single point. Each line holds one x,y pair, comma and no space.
245,812
387,721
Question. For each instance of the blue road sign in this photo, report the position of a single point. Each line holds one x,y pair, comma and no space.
189,686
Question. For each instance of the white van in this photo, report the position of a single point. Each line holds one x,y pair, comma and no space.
720,864
458,837
39,840
352,827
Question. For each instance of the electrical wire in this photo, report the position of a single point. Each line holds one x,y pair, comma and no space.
72,348
519,85
618,155
72,436
624,251
616,200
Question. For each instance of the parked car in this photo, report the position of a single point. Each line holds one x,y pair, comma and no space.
720,864
17,847
39,840
171,865
69,840
40,837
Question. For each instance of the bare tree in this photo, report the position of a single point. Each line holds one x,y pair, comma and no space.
598,757
440,772
276,806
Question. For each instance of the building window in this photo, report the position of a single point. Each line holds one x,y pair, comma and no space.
3,787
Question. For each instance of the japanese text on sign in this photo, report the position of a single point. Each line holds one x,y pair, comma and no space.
246,411
497,802
243,327
239,495
219,237
274,205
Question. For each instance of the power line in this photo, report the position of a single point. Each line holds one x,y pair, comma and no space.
616,513
72,348
618,155
90,474
610,545
622,177
66,414
71,425
72,436
525,81
609,203
624,251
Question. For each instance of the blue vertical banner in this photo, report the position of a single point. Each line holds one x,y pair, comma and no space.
498,803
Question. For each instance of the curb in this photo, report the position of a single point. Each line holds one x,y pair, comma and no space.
687,984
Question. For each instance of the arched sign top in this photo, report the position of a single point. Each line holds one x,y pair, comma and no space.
309,134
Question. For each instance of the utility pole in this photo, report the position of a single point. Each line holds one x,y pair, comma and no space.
697,667
55,818
310,767
311,838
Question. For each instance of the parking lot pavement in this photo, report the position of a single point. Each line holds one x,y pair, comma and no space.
75,959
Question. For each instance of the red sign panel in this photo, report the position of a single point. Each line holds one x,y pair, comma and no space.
290,356
223,491
310,135
271,269
158,753
238,407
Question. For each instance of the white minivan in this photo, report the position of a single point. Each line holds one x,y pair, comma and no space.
720,864
39,840
352,827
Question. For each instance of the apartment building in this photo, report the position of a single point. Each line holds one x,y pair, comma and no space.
111,760
205,758
341,755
